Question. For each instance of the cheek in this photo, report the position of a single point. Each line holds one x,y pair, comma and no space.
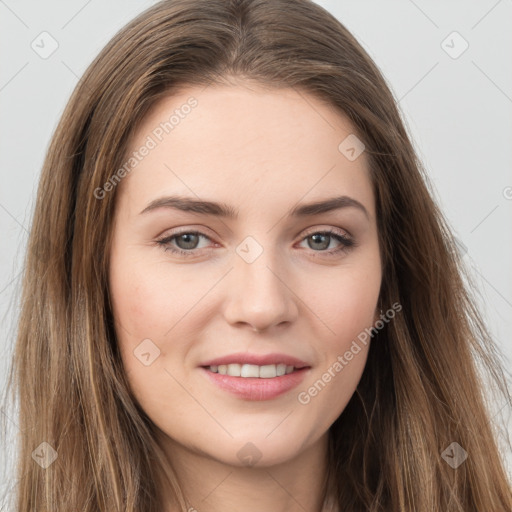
150,302
349,314
348,344
143,309
346,304
146,301
346,310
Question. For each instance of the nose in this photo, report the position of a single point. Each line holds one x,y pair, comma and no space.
259,294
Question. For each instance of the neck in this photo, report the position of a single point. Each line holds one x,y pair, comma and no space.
211,485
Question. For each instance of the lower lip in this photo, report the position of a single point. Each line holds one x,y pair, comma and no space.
253,388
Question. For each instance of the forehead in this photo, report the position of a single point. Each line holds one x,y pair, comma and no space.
247,143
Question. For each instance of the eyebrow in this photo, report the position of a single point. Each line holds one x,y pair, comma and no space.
188,204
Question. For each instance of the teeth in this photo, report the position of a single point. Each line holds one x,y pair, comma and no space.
267,371
250,370
234,370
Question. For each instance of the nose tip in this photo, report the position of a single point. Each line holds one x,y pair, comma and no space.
259,297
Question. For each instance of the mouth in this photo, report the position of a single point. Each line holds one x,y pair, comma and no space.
253,382
251,376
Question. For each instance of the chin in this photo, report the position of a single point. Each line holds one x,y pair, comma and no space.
259,450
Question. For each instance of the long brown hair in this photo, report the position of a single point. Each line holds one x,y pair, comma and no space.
423,385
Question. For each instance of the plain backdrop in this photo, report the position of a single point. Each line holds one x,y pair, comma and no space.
448,64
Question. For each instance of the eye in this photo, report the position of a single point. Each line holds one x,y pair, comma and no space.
321,240
185,243
186,240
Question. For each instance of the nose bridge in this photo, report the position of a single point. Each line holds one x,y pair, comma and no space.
258,294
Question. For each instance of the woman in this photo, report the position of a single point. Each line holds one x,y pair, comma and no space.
239,292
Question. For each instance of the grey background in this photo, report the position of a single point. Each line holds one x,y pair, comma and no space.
458,112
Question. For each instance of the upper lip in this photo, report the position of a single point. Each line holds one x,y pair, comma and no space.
256,359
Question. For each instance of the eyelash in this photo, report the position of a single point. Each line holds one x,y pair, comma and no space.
346,242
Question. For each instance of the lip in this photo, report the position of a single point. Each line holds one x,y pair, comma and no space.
257,359
256,389
252,388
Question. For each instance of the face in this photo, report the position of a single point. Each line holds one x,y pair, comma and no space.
254,282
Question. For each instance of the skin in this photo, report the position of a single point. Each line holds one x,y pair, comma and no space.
261,152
